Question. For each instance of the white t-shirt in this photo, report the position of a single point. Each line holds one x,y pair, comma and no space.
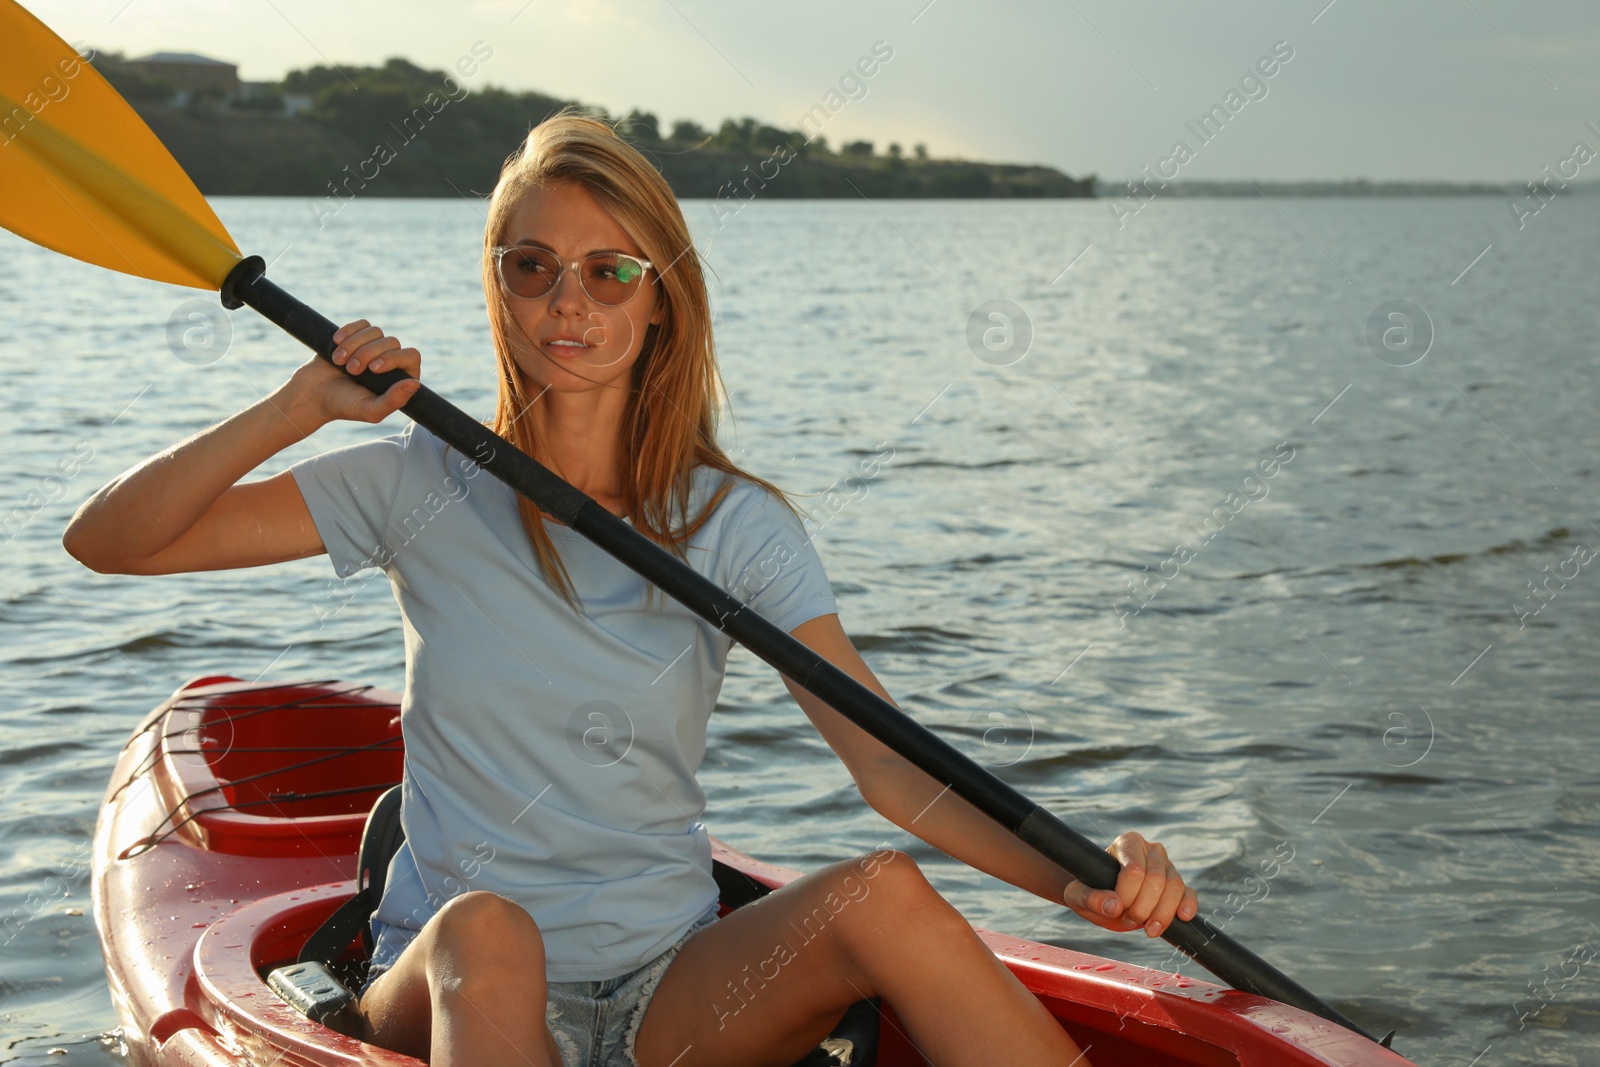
550,757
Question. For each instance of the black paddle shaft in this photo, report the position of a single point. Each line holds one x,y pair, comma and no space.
1053,839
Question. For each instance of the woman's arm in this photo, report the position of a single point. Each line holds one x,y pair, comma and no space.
1149,892
181,509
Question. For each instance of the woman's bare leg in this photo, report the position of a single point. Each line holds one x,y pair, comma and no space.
765,984
468,990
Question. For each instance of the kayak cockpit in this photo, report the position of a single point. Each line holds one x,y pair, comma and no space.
226,838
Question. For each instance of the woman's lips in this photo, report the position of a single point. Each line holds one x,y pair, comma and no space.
566,348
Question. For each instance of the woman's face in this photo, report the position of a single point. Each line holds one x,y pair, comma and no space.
578,344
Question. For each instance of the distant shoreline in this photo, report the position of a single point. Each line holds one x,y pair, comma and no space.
332,135
243,153
1350,187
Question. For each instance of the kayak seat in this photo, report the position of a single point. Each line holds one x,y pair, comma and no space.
853,1043
380,840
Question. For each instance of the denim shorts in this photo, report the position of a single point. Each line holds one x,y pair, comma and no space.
596,1023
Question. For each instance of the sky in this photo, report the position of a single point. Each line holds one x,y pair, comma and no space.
1459,90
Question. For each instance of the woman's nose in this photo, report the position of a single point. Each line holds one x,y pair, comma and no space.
568,291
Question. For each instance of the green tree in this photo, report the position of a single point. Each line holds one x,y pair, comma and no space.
684,130
736,136
766,139
640,126
310,81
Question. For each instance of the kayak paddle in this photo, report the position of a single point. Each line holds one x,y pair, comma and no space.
83,175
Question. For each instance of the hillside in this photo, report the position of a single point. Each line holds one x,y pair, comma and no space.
396,130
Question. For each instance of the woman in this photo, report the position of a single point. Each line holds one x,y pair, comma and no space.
555,706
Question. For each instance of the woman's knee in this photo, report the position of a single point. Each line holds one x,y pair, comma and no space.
886,888
868,906
896,879
482,931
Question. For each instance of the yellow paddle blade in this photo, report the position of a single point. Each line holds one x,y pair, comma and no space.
82,174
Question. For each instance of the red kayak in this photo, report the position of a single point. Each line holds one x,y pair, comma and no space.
230,830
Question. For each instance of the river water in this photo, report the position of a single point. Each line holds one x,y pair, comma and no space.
1182,543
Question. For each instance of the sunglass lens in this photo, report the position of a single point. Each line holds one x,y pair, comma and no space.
528,271
611,279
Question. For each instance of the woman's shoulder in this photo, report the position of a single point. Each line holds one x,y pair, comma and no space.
745,504
432,456
741,493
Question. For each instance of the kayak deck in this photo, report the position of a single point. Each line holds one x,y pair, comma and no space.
227,835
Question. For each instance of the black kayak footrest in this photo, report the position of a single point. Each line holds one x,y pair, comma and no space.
315,992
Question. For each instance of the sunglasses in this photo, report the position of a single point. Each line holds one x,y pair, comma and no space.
609,278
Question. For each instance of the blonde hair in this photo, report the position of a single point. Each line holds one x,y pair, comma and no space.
670,420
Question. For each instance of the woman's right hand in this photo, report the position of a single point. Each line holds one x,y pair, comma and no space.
186,508
330,390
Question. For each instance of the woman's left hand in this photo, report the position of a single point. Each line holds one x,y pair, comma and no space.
1149,893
